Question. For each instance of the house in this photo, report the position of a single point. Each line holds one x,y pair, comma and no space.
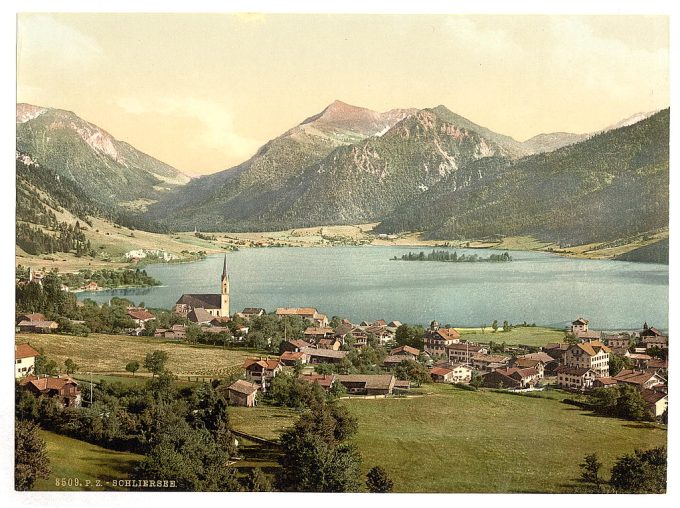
62,388
251,312
140,315
617,341
656,341
657,402
290,358
409,351
293,345
243,393
641,379
436,339
24,360
529,363
498,379
343,329
323,355
262,371
590,355
36,316
441,375
175,332
527,377
220,321
381,333
368,384
359,336
641,360
213,304
489,363
580,325
575,378
549,363
391,361
314,333
604,382
200,316
462,373
38,326
557,350
308,313
332,343
324,380
463,352
394,324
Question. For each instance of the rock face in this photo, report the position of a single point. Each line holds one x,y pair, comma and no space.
105,168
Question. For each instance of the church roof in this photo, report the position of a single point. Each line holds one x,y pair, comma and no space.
201,301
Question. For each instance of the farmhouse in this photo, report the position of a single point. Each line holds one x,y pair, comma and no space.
323,355
441,375
313,334
657,402
200,316
140,315
36,316
251,312
488,363
641,379
38,326
436,339
262,371
590,355
24,360
463,352
528,363
617,341
324,380
290,358
391,361
575,378
293,345
658,341
409,351
499,379
368,384
604,382
524,377
62,388
243,393
332,343
213,304
176,332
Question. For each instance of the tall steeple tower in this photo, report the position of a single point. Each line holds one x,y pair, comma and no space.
224,312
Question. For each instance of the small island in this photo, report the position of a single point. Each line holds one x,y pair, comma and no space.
446,256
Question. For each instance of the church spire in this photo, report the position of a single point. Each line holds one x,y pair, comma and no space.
224,270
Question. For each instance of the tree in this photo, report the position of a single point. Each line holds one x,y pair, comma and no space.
44,365
133,367
643,472
315,457
618,363
506,326
30,452
411,370
410,336
377,480
630,404
257,481
155,362
590,470
71,366
494,325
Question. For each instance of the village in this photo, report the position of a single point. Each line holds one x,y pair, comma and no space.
584,361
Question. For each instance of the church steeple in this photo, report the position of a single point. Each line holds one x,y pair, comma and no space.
224,293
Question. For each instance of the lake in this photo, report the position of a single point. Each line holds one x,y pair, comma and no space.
363,283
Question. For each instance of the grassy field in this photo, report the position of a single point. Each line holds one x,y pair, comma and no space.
530,335
71,458
451,440
262,421
101,353
461,441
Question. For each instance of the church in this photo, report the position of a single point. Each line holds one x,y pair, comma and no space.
216,305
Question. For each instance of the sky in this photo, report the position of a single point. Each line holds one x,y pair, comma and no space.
202,92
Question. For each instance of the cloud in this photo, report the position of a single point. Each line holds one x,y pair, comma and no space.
43,40
218,132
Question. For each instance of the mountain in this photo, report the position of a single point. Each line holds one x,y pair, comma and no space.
344,165
107,170
542,143
612,185
226,198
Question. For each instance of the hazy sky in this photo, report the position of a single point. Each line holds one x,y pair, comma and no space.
203,91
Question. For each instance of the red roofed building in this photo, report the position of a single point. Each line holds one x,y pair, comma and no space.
575,378
589,355
441,375
437,339
62,388
243,393
24,360
292,357
140,315
408,351
262,371
324,380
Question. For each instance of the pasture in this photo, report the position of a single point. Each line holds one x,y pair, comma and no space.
75,459
102,353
